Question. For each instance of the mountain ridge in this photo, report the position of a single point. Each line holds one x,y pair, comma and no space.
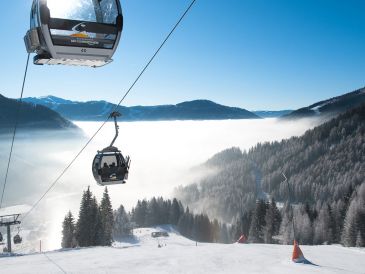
99,110
331,107
31,116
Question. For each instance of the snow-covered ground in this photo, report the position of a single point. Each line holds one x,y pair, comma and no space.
180,255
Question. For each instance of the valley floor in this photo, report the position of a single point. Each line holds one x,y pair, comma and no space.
180,255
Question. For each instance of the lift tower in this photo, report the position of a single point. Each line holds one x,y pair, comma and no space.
8,221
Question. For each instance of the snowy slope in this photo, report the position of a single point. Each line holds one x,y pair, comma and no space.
180,255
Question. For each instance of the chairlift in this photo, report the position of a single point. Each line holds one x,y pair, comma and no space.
74,32
110,167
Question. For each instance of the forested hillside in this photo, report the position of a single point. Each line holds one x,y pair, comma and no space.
322,166
31,116
331,107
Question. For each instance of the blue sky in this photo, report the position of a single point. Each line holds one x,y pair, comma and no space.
255,54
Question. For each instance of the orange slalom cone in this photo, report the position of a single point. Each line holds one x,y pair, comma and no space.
298,256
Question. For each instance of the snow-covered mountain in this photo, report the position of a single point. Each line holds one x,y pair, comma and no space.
49,101
176,254
331,107
99,110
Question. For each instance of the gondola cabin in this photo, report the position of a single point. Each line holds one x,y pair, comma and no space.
74,32
17,239
110,167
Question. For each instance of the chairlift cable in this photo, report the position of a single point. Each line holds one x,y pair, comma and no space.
115,109
15,129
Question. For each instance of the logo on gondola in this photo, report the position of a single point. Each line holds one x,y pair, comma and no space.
80,31
81,36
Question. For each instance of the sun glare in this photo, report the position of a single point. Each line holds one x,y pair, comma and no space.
61,8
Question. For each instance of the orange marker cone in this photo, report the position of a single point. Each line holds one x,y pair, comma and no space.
298,256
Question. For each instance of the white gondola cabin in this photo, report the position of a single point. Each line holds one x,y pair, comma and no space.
74,32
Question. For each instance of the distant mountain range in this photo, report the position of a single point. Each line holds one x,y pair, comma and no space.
272,113
31,116
193,110
99,110
330,107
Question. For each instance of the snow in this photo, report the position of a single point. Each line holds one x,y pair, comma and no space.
180,255
18,209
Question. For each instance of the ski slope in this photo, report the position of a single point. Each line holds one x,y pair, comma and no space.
180,255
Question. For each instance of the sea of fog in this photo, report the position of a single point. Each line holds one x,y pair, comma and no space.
163,155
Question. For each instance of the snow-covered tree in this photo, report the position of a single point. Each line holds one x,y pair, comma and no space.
256,234
272,222
122,225
89,230
68,232
303,226
286,227
322,227
354,227
107,219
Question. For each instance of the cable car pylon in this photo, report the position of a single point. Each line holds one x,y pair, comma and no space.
8,221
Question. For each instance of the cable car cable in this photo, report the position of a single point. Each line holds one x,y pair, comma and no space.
115,108
15,129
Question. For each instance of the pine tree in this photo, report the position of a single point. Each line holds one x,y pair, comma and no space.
89,230
85,226
322,227
303,225
286,227
359,240
68,232
350,226
152,216
256,234
332,224
354,221
98,233
272,222
122,225
174,214
107,219
140,213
